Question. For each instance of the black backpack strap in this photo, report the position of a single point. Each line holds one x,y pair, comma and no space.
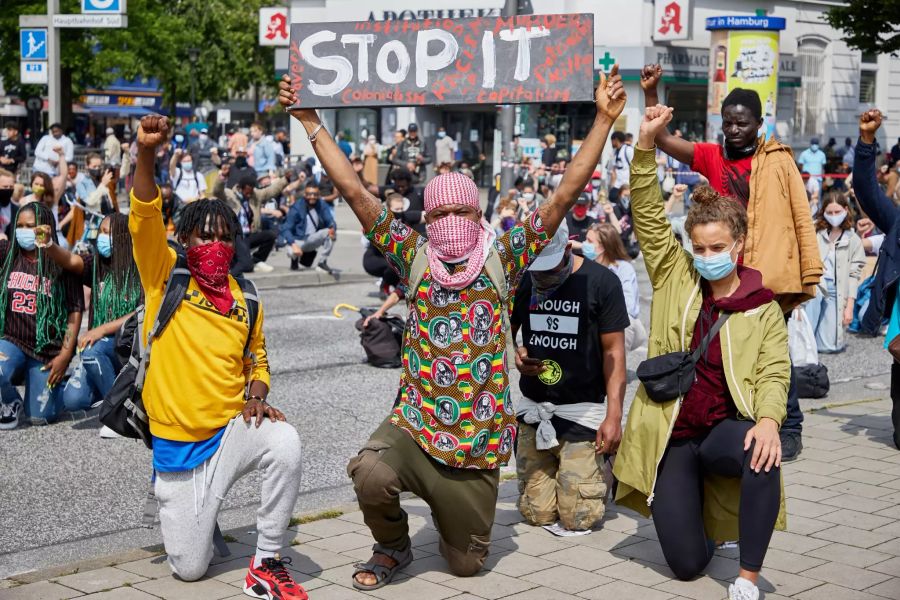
176,288
708,338
251,296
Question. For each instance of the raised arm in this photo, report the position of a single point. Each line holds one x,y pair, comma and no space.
610,100
876,204
365,206
62,172
153,257
68,261
676,147
660,249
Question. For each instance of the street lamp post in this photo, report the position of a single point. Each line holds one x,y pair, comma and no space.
193,56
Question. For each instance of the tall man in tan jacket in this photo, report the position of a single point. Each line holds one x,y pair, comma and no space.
763,176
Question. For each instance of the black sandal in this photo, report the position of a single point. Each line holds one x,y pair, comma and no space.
383,575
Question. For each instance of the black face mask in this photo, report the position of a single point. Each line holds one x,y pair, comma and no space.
95,173
5,197
732,153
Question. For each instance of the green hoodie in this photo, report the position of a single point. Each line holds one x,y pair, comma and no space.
754,355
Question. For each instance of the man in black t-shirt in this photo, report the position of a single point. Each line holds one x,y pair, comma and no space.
572,315
578,219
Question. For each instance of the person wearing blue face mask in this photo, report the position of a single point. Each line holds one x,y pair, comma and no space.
812,161
111,274
706,465
40,315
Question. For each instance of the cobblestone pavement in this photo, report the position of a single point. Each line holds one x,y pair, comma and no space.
842,543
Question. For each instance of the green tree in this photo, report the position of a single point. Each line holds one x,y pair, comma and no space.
154,45
871,26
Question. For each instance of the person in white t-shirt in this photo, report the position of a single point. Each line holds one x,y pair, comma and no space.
189,185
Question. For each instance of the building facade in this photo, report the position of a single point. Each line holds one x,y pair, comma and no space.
822,84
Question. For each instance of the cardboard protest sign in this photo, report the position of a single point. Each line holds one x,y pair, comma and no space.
487,60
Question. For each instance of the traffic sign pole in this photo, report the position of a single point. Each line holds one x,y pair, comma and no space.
54,91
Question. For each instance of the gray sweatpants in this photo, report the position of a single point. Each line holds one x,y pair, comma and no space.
189,501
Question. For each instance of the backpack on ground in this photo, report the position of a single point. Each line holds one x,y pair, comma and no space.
381,340
812,381
122,410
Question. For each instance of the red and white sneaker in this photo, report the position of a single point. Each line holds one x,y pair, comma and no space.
271,581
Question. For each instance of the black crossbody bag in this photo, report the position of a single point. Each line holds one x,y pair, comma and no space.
670,376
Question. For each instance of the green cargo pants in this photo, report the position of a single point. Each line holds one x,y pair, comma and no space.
462,501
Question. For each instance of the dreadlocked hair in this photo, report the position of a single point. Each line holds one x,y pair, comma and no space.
119,292
51,314
206,216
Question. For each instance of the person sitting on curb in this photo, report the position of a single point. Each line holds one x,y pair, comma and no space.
572,359
247,202
40,315
111,275
309,229
886,216
762,176
435,443
706,466
206,387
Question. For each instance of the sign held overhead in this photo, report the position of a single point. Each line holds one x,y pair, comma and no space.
492,60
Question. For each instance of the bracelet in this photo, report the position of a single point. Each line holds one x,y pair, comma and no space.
260,398
312,136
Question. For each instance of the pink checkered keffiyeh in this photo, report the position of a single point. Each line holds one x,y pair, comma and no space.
452,238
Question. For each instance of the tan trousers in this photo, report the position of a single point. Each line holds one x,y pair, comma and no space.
565,483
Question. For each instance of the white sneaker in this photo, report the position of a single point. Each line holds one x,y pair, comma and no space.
743,589
9,414
263,267
108,434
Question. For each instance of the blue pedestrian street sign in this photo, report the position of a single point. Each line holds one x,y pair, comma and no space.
102,6
33,44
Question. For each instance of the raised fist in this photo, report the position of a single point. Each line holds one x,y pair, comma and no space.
153,131
42,237
655,120
650,76
869,122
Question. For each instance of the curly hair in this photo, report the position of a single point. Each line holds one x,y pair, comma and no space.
708,206
834,197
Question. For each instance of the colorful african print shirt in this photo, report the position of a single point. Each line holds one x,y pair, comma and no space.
454,390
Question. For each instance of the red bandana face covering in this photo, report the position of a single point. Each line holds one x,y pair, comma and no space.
209,264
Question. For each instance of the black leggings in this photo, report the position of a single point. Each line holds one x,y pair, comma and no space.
678,501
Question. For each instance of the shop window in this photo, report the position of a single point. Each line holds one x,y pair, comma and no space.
811,96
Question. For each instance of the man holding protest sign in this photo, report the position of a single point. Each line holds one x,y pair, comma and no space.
454,424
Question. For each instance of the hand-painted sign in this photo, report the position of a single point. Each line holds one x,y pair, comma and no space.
493,60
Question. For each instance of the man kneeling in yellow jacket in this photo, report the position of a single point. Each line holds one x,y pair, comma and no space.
205,385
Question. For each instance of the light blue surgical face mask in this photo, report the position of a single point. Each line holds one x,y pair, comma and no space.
589,251
25,238
715,267
104,245
814,147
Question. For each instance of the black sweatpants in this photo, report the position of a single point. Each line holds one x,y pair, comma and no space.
375,264
678,499
260,241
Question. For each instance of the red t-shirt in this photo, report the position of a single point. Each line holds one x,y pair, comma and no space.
728,177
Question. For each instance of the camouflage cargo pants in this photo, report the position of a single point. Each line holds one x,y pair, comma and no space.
567,483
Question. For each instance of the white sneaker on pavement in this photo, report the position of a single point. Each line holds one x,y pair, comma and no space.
263,267
743,589
108,434
9,414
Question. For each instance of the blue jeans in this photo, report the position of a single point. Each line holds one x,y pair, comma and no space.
94,377
42,404
827,319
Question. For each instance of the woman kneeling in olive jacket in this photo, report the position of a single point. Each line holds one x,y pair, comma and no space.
707,465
